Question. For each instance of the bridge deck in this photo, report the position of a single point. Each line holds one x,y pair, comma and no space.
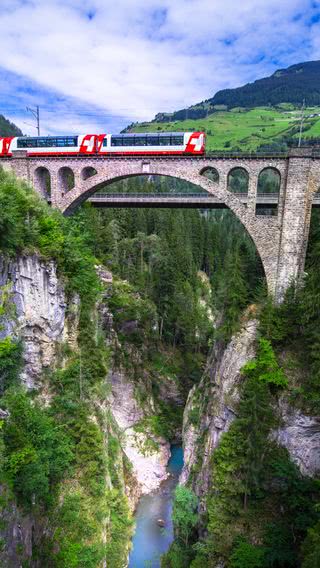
199,200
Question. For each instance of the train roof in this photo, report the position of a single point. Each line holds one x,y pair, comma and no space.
127,134
168,133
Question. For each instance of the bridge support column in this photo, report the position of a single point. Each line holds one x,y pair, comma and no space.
295,222
20,165
252,193
55,190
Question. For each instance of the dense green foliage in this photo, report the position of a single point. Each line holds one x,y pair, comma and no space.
292,85
184,513
7,128
260,506
27,224
166,254
261,511
60,460
37,451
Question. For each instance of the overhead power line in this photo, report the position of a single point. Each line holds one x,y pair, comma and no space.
36,113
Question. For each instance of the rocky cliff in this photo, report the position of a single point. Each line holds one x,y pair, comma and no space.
46,320
212,406
39,317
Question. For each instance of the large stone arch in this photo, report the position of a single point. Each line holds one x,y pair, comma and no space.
211,173
42,181
87,172
66,179
273,183
264,232
238,180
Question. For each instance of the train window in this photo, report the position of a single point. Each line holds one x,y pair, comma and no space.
41,142
128,141
64,141
153,140
176,140
116,140
105,142
164,140
140,141
47,142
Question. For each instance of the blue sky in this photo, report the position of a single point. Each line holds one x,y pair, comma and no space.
97,65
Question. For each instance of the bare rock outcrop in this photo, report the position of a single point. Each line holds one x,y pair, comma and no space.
40,312
300,434
212,406
148,455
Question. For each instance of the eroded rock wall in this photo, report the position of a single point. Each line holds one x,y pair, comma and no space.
39,317
212,406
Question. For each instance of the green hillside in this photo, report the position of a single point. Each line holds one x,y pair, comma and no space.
7,128
247,129
262,115
298,83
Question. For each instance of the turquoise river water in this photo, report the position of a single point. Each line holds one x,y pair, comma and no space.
150,540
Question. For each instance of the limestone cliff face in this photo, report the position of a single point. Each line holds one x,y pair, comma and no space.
149,461
211,408
45,319
40,313
300,434
38,317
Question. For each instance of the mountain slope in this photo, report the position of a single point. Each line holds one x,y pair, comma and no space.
262,128
7,128
292,85
262,115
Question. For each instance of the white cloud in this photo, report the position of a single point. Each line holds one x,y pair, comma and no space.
133,58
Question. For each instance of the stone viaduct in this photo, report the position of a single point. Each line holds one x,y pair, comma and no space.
281,240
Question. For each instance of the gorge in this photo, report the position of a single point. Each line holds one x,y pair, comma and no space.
124,332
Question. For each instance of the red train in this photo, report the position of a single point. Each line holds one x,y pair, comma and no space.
167,143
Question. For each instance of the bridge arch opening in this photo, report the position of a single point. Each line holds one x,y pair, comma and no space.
210,173
42,182
238,181
269,184
262,239
236,236
66,179
88,172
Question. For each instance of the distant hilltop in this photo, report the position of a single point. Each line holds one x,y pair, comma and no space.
292,85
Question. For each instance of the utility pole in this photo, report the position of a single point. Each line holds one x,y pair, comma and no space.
301,121
36,113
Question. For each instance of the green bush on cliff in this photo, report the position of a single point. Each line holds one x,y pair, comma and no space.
246,555
10,362
37,452
28,224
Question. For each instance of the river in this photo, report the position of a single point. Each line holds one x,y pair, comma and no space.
150,540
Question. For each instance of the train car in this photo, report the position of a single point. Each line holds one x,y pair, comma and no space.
150,143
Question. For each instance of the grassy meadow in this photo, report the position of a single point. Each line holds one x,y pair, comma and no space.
246,129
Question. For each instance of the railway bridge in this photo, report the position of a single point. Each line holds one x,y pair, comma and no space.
281,238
